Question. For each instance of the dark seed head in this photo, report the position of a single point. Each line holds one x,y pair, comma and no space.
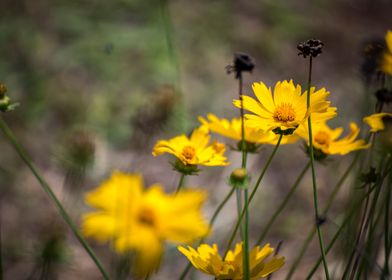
320,220
242,63
384,95
372,52
311,47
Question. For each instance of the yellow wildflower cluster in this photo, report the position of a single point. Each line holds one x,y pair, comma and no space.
208,260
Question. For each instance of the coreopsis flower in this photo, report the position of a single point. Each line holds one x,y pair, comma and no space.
375,121
194,150
140,221
232,129
285,108
208,260
386,60
329,140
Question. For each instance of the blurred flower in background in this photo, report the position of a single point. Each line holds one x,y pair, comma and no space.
141,221
375,121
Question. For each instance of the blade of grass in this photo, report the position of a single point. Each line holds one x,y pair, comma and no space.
48,190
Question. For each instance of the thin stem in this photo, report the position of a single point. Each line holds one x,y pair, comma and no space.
211,223
246,238
321,243
387,251
181,182
352,211
245,233
283,204
311,234
267,164
370,226
337,234
368,221
45,186
1,249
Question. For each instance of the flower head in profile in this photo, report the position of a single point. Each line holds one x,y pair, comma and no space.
330,142
386,60
194,150
208,260
140,221
232,129
376,122
284,108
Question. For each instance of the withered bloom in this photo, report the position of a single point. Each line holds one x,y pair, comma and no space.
312,47
242,63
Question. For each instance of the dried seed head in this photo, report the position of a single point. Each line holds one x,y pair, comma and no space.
311,47
384,95
242,63
372,53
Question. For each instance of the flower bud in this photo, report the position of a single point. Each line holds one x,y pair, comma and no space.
239,178
3,90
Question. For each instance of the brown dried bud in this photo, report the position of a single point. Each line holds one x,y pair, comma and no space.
311,47
384,95
242,63
3,90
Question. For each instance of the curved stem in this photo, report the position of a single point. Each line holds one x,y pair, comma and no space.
267,164
45,186
283,204
180,182
315,198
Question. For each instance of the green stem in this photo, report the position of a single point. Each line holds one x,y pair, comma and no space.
10,136
315,199
387,251
267,164
283,204
246,238
368,222
370,226
181,182
352,211
212,221
337,234
311,233
245,234
1,249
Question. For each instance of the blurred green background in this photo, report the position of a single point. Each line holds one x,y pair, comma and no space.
99,82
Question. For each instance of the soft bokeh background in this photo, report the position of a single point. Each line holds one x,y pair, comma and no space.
100,81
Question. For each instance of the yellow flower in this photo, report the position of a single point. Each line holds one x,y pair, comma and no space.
208,260
286,108
194,150
232,129
386,60
326,139
375,121
139,221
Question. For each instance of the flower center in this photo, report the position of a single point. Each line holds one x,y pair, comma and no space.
284,113
146,217
218,147
322,138
189,152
